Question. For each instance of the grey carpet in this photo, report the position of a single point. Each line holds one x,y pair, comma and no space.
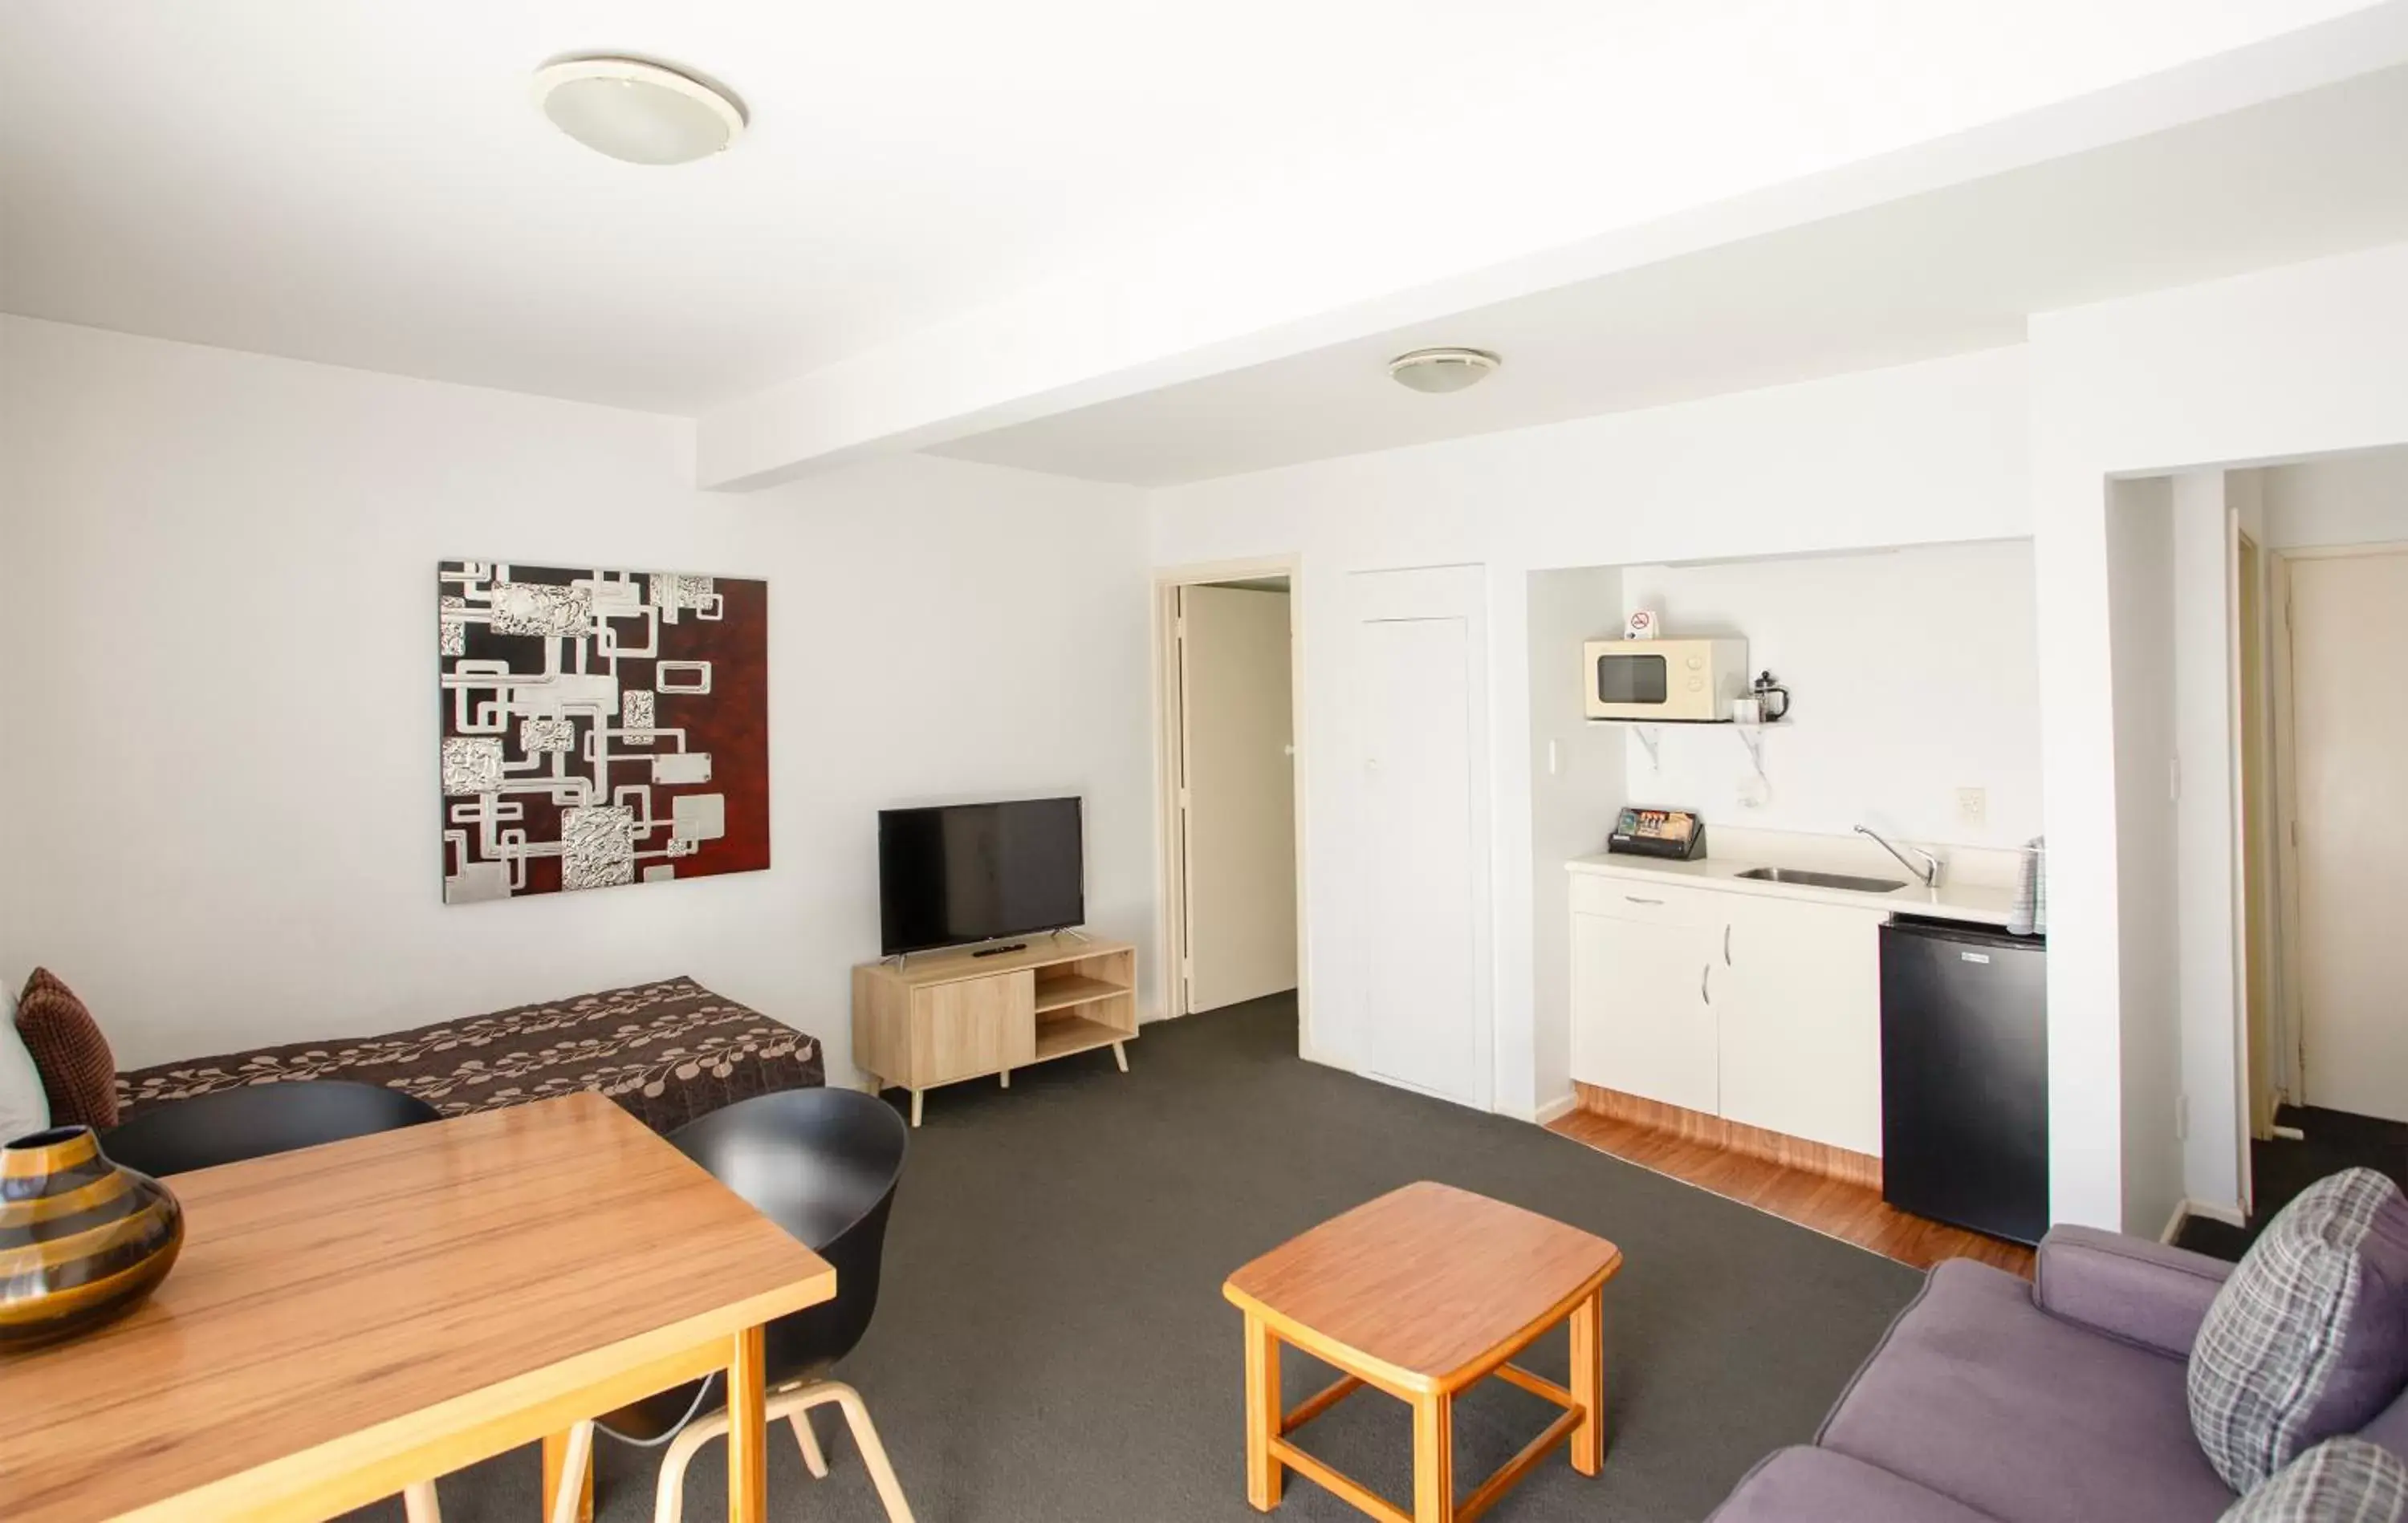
1052,1346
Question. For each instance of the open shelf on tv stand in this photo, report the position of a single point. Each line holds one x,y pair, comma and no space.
941,1017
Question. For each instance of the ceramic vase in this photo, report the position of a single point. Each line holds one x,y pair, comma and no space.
81,1239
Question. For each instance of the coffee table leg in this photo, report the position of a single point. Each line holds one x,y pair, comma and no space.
1262,1415
1434,1459
1589,1383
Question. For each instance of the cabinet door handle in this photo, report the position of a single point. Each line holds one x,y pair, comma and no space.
1705,975
1727,962
1636,900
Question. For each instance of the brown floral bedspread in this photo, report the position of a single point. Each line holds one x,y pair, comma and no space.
667,1052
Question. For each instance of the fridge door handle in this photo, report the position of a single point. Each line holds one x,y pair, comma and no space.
1705,978
1727,962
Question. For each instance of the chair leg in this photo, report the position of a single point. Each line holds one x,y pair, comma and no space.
418,1504
865,1438
573,1464
669,1496
793,1404
813,1459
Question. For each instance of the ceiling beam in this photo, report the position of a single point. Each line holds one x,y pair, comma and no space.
1234,296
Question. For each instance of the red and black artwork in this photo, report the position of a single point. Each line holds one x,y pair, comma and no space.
600,728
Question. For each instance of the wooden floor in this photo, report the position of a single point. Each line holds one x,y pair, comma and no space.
1852,1213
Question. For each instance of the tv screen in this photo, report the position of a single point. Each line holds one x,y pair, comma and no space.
974,872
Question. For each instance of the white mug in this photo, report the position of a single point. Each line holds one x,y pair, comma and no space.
1747,710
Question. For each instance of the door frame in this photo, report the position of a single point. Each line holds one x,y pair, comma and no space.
2291,1034
2254,833
1170,740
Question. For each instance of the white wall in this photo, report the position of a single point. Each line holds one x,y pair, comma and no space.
2141,551
2175,626
2356,499
2206,881
222,710
1911,674
2299,361
2296,361
1915,454
1576,788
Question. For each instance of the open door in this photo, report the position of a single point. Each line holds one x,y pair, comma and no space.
2348,619
1238,795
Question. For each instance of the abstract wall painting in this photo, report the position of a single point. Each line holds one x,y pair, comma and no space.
600,728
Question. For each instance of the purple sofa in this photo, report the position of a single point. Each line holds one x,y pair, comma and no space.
1991,1400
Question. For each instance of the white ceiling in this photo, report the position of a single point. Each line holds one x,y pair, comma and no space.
367,184
1942,273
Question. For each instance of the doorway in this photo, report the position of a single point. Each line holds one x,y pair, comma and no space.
2347,618
2257,612
1229,780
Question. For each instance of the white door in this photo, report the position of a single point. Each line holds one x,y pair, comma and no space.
1240,801
1414,679
1644,1016
2349,643
1801,1023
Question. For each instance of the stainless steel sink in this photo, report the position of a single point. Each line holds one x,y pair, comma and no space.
1823,880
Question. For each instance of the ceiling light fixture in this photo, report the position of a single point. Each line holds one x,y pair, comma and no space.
637,111
1442,369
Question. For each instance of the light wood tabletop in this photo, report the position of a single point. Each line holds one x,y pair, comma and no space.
348,1319
1425,1282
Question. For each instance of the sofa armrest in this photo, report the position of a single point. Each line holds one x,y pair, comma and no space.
2126,1287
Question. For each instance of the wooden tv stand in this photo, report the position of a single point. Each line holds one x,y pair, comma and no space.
939,1018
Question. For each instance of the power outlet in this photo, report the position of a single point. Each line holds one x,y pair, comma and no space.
1972,805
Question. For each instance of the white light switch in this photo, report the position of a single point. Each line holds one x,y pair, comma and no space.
1972,805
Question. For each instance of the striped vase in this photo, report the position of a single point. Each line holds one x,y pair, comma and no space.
81,1239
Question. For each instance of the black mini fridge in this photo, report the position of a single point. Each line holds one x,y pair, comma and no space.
1964,1013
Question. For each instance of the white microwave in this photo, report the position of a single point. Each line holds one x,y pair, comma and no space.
1681,680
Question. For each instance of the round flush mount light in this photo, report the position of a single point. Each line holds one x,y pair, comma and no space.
1442,369
637,111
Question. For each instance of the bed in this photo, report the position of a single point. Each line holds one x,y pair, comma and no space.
667,1052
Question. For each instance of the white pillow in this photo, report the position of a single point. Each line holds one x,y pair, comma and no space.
25,1108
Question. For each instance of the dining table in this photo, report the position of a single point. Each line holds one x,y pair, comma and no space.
350,1321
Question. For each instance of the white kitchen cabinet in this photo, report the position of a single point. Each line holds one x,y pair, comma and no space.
1800,1026
1643,1017
1763,1010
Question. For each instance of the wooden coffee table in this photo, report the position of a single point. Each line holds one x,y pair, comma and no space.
1421,1293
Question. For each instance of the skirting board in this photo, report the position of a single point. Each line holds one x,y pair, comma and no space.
2231,1216
2173,1223
1556,1109
1733,1136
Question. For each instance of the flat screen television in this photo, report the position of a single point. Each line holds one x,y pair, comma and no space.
974,872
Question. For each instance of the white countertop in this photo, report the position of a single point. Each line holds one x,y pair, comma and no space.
1976,899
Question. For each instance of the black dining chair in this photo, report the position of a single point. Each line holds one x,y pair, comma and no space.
205,1130
823,1164
232,1125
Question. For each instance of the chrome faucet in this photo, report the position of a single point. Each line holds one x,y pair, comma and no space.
1928,872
